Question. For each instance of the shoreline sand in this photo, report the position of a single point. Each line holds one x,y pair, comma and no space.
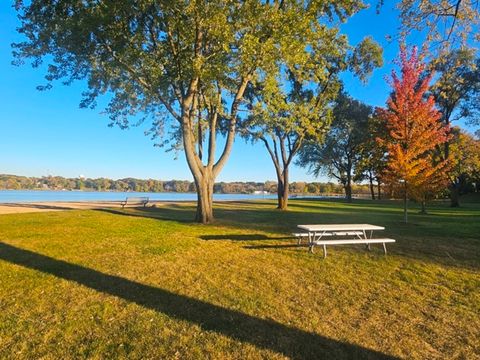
42,206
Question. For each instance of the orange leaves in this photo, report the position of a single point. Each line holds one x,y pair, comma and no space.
414,131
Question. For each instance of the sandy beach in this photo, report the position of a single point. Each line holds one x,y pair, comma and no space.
14,208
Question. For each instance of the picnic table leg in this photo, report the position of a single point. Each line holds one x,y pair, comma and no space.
384,248
313,241
310,242
314,238
367,246
324,251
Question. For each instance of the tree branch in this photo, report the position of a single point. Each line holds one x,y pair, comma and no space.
274,157
213,115
232,124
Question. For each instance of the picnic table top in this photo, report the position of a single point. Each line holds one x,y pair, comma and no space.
339,227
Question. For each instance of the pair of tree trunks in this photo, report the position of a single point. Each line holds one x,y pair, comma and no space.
282,162
204,212
203,175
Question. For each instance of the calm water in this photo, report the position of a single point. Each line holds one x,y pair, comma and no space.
11,196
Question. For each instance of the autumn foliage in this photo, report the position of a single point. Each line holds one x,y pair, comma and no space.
414,133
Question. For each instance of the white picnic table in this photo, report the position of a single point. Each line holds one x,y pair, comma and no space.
361,234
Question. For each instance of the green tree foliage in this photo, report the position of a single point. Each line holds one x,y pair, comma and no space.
465,159
457,95
182,65
457,88
312,188
298,187
292,102
372,159
14,182
446,24
339,154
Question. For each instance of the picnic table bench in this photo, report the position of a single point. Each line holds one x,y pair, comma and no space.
321,234
135,200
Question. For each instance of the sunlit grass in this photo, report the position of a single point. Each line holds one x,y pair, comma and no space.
151,284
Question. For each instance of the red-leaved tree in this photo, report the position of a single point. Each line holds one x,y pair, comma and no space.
414,133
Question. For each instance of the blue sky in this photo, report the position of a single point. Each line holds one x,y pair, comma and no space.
44,133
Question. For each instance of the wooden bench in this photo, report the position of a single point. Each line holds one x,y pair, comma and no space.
324,243
135,200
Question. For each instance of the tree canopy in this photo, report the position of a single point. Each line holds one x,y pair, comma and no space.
414,132
339,154
465,161
182,65
294,102
457,88
446,24
457,96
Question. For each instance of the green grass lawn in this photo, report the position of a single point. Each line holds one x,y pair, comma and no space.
142,284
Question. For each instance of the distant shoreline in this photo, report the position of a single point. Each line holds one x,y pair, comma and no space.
27,205
41,196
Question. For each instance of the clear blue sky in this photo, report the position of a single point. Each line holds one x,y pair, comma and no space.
44,133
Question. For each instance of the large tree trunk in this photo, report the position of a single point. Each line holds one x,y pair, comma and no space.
379,189
204,212
405,203
282,191
454,190
372,188
348,189
423,210
281,170
203,176
454,195
348,192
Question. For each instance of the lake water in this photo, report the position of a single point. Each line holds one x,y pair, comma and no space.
13,196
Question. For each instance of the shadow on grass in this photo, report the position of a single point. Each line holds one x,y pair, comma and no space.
170,214
281,246
263,333
440,239
243,237
262,217
35,206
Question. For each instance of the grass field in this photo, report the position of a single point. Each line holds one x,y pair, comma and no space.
142,284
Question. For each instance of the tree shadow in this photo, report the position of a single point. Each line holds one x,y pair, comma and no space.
36,206
447,241
169,214
243,237
263,333
280,246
